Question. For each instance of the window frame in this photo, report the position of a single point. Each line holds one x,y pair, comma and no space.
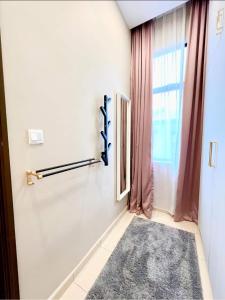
171,86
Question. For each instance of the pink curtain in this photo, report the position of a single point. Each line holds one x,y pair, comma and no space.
191,140
141,97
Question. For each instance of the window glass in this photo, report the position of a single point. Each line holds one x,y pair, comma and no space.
168,71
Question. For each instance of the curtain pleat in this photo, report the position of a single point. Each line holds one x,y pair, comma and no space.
141,96
187,200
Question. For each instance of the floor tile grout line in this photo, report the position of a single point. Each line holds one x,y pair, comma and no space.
80,287
108,251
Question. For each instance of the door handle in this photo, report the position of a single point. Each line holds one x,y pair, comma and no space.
212,154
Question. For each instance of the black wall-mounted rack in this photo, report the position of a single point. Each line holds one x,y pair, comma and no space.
107,145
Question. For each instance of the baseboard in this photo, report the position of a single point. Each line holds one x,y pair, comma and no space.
59,291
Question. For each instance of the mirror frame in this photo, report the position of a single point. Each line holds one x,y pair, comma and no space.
121,97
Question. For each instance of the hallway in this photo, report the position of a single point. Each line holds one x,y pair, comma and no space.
112,148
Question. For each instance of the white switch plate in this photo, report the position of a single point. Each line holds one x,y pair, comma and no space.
35,136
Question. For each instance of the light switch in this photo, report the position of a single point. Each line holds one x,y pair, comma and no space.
35,136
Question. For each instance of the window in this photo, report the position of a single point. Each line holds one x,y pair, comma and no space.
168,71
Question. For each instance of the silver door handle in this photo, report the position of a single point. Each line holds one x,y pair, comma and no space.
212,154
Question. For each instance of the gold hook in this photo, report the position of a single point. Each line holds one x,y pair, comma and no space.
30,178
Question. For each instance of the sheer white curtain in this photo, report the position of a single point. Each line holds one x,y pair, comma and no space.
168,74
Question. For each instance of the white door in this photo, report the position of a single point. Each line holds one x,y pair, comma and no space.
212,196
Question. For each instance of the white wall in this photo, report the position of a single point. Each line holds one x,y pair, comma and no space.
59,59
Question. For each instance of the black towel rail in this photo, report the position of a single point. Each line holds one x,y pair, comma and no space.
77,164
65,165
72,168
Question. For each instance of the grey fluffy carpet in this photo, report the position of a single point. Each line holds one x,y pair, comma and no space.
151,261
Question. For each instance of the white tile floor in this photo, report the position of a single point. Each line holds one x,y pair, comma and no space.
85,279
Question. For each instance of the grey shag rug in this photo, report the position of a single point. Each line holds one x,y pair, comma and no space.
151,261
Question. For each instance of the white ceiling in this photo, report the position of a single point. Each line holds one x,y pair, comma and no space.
138,12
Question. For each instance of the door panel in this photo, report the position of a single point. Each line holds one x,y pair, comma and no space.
9,285
212,195
217,246
208,175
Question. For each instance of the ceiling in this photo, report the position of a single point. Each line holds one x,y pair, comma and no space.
138,12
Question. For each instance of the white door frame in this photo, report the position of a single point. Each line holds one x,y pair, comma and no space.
121,97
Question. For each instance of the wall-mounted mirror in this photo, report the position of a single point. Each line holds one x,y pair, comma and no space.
123,145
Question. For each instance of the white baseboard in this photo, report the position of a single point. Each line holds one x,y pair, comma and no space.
59,291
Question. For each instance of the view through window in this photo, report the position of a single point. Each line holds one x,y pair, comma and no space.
168,82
